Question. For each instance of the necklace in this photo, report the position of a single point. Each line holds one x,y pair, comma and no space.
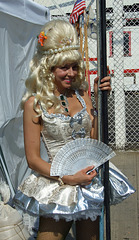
64,102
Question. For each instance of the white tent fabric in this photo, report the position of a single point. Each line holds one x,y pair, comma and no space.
20,23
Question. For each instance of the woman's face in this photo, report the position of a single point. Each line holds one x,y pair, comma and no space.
65,75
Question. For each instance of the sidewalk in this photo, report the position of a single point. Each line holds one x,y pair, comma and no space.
125,216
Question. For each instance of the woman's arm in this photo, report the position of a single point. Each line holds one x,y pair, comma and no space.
32,129
105,85
90,110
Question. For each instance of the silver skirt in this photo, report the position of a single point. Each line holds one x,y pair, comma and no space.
41,196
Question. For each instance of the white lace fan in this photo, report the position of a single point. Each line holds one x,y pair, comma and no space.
79,154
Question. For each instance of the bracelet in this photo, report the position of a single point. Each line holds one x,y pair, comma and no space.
61,183
95,112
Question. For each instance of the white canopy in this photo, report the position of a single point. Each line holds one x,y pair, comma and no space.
20,23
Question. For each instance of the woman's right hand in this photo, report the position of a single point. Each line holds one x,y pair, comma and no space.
81,177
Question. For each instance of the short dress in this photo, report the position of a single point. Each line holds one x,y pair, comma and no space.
41,196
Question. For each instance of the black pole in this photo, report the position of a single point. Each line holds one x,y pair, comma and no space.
104,110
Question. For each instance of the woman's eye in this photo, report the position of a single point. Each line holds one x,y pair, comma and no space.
75,68
64,68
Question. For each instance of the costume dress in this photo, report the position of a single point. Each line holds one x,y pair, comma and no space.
39,195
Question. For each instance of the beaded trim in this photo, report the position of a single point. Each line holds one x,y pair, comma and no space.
61,183
61,49
67,117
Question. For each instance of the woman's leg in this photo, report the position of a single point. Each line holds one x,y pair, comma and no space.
87,230
49,229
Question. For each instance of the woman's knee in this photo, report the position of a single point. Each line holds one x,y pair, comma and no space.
53,230
87,229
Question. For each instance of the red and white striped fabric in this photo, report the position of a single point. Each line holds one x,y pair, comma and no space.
78,9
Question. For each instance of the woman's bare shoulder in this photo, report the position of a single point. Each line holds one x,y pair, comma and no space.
29,112
85,96
29,103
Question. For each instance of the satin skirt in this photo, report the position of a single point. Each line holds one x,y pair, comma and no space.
41,196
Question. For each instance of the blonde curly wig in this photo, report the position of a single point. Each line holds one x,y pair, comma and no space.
41,80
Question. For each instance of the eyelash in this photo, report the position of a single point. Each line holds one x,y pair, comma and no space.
66,68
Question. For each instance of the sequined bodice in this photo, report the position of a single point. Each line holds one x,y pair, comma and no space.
59,129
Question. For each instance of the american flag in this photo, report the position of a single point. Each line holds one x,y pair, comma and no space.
78,9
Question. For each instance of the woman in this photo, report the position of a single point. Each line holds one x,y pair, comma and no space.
58,109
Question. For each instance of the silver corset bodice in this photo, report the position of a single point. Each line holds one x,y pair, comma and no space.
59,129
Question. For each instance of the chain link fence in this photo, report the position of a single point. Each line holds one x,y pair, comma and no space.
122,24
122,41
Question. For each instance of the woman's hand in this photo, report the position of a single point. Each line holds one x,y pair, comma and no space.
104,85
81,177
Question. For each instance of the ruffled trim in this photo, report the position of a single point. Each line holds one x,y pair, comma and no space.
46,198
35,208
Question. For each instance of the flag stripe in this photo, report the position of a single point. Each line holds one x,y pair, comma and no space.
78,9
79,6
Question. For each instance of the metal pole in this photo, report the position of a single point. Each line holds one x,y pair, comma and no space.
102,107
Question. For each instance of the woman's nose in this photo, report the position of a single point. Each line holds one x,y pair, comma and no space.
70,71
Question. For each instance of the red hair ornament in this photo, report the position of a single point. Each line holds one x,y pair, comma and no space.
41,37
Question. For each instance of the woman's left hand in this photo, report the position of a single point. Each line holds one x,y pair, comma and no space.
105,84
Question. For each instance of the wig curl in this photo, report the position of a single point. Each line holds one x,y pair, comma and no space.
41,80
